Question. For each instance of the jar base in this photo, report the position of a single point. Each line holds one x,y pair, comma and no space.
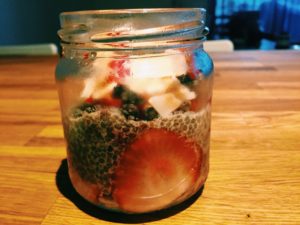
163,213
92,193
66,188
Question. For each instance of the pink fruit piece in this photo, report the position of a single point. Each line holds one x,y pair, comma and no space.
120,69
156,170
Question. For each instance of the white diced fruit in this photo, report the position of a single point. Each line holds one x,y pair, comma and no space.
89,86
103,91
97,87
184,93
157,86
97,78
173,62
149,86
165,104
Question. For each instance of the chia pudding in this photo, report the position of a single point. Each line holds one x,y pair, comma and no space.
138,132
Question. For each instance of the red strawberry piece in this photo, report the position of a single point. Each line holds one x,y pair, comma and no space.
89,100
85,55
109,101
120,69
192,70
155,171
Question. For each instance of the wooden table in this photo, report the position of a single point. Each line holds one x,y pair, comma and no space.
255,147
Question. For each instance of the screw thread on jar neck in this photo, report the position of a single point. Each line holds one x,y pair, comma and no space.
133,29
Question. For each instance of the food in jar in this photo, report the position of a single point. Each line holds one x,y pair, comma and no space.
138,137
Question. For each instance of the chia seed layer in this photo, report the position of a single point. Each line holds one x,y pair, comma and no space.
97,139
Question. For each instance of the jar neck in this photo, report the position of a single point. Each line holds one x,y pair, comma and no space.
130,30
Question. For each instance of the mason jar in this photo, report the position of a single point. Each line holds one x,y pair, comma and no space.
135,89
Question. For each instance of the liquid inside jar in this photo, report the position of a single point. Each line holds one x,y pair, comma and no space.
137,127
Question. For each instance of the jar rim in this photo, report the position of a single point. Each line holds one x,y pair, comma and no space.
133,28
131,11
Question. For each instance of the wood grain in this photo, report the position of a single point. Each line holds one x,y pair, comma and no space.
254,159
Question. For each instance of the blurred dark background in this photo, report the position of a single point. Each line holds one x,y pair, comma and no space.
251,24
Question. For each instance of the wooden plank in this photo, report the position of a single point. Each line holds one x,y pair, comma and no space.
37,158
54,131
25,196
254,158
18,134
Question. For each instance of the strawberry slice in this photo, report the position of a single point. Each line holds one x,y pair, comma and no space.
192,70
156,170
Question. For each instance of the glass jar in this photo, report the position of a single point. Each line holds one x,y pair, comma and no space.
135,90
